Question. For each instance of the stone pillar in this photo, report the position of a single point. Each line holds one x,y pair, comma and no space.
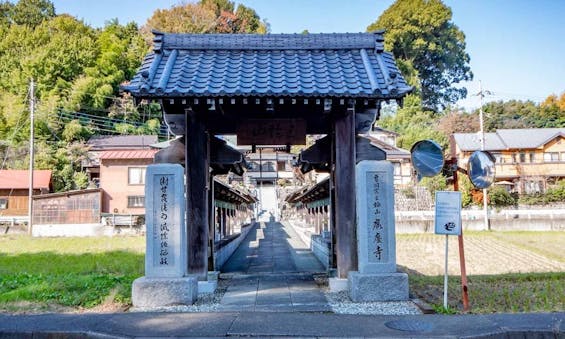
166,281
377,278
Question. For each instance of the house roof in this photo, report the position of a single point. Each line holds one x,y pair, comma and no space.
19,179
129,154
505,139
377,129
106,142
392,152
274,65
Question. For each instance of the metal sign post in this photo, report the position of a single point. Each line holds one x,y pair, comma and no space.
448,222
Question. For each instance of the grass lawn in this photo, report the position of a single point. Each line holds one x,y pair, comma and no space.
68,274
76,274
517,285
505,293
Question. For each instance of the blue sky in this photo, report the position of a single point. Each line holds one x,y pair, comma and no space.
517,47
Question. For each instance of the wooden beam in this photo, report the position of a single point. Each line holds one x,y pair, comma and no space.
197,165
344,181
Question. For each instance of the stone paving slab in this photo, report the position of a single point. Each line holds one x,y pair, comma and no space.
267,274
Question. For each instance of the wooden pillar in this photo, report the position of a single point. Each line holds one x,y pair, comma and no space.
211,224
344,177
197,174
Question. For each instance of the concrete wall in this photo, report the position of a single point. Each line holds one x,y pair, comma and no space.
503,220
114,182
71,230
225,252
320,246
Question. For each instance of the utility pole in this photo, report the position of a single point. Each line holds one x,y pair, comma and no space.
481,95
31,154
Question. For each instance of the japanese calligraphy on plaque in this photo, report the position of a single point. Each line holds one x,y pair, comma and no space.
272,132
376,218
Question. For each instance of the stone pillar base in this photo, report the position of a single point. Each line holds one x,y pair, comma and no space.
378,286
337,284
158,292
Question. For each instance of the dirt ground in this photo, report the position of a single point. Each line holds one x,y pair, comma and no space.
485,252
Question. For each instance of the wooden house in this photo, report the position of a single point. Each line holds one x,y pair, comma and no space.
526,160
14,189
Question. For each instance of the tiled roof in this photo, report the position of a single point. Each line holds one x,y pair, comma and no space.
104,142
529,138
321,65
505,139
129,154
392,152
19,179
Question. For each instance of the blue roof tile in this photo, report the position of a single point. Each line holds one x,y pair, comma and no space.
326,65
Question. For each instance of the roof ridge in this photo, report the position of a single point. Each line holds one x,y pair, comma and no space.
316,41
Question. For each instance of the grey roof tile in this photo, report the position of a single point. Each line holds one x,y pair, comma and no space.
327,65
505,139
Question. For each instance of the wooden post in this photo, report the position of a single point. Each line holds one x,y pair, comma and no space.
344,176
211,225
197,171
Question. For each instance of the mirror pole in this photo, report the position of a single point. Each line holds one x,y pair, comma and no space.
464,285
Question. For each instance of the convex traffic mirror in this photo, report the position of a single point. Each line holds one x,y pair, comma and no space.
481,169
427,158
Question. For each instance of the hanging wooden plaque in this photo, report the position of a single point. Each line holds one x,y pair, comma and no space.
272,132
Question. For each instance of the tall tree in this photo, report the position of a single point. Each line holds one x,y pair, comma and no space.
414,123
206,16
429,48
32,12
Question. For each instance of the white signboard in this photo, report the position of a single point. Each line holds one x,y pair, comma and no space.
448,213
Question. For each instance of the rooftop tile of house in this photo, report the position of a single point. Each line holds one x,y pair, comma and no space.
506,139
273,65
105,142
128,154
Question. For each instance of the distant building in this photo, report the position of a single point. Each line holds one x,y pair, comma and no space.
100,143
122,180
14,189
527,160
399,157
268,165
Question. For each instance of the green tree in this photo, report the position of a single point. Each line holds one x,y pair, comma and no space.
27,12
414,123
429,48
206,16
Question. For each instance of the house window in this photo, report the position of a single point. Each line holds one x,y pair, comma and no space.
281,166
3,204
397,169
498,159
522,157
136,201
513,158
136,175
532,157
551,156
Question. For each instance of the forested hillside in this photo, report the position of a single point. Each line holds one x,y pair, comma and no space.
77,71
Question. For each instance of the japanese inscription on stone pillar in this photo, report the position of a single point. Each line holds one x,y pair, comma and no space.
375,217
165,221
161,235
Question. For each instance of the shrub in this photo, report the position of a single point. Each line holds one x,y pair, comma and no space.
499,197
